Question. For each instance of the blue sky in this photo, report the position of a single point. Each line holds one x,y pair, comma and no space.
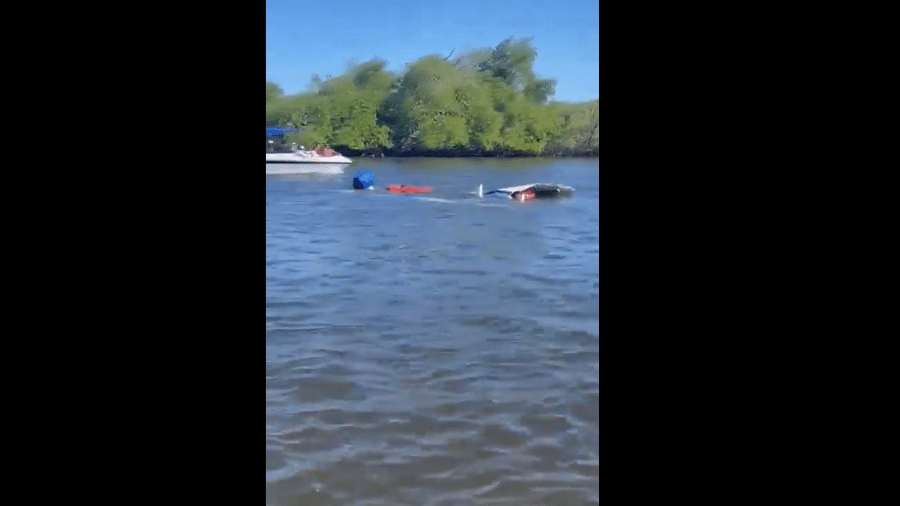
305,38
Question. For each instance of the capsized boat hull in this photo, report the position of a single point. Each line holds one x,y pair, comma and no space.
530,191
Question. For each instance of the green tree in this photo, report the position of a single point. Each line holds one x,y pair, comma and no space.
273,91
355,98
578,129
511,62
488,101
420,104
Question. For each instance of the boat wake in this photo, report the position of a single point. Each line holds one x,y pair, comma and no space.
477,202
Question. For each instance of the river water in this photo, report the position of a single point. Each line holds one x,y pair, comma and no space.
437,350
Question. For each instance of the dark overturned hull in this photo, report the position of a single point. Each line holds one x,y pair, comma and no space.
531,191
551,190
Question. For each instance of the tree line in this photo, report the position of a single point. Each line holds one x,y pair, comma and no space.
487,102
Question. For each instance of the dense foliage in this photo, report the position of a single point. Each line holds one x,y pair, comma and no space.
486,102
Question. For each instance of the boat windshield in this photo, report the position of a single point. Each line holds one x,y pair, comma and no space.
275,142
278,145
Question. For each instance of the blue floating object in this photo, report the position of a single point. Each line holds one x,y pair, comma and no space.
363,180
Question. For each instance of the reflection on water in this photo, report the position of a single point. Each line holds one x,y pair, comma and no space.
432,351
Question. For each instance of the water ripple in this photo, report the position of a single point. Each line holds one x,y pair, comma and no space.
420,353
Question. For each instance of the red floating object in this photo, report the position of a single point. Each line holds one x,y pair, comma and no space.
402,188
524,195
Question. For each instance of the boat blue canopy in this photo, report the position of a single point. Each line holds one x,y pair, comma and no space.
280,131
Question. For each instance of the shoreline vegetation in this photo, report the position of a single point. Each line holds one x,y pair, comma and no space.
485,103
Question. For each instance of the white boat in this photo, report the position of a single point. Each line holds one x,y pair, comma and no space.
282,158
305,157
530,191
305,168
